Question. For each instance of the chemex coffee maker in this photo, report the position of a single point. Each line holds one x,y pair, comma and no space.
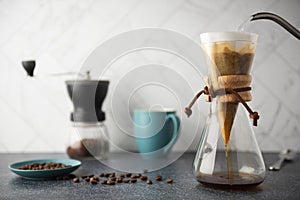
228,154
88,137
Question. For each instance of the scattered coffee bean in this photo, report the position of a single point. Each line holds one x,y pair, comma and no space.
126,180
92,179
43,166
169,180
76,180
93,182
121,175
136,175
133,180
158,178
110,182
119,180
113,179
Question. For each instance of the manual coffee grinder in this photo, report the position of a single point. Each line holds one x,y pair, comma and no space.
88,137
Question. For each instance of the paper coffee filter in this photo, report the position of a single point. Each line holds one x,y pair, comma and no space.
212,37
227,53
241,47
220,42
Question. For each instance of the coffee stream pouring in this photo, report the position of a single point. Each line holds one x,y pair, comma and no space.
88,137
228,154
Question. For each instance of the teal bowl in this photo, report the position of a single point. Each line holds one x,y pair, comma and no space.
45,173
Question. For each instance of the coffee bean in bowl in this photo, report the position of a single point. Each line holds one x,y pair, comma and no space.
42,166
45,169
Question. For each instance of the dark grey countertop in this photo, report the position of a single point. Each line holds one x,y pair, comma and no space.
283,184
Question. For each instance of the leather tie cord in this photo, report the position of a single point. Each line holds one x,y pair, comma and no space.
188,110
252,114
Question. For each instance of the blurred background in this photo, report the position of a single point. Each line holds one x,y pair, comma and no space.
60,34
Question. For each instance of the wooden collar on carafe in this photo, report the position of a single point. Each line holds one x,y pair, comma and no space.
232,89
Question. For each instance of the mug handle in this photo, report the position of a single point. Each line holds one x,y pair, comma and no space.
176,124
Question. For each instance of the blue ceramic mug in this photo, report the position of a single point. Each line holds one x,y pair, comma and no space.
155,130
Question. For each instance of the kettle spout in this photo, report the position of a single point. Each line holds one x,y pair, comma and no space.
279,20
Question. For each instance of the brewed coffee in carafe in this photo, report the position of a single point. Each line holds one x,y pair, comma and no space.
228,154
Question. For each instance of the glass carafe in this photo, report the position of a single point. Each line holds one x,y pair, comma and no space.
238,163
228,153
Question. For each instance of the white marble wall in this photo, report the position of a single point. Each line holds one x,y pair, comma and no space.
59,34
